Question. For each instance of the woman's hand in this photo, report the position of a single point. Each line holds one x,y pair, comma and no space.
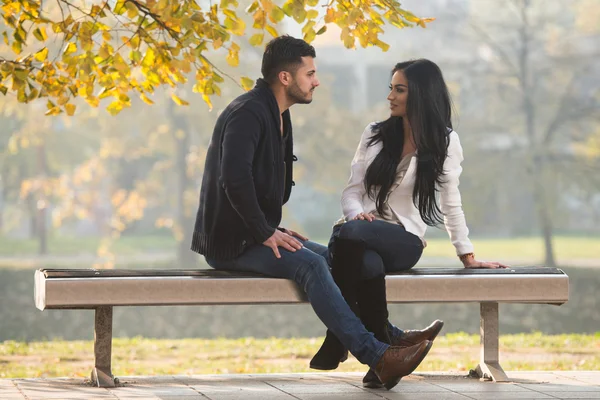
364,216
471,262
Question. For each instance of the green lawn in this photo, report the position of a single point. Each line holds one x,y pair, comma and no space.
139,356
524,248
529,248
68,245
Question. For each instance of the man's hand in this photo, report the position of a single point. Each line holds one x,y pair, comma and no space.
294,234
284,240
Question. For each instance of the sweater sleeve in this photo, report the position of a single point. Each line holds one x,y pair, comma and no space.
352,195
240,140
450,199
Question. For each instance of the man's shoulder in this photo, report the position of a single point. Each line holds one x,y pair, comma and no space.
248,102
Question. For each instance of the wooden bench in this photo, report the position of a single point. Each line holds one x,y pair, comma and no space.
101,290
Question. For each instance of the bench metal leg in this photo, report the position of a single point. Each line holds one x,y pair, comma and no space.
101,374
489,365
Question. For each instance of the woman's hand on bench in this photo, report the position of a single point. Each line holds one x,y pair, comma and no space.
471,262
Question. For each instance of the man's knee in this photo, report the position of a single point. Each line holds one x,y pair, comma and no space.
316,268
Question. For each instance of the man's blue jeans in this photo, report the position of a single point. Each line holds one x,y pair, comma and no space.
309,269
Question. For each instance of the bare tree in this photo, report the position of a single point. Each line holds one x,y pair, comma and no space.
541,74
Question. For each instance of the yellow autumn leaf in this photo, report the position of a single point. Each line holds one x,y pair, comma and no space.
233,58
247,83
178,100
41,55
312,14
70,109
207,101
277,14
257,39
53,111
40,34
272,31
384,46
71,48
146,99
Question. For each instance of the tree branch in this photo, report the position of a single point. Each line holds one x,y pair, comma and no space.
559,117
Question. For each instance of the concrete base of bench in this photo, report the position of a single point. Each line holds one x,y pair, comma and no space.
102,290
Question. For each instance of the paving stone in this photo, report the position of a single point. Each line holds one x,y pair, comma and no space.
313,386
575,395
478,386
340,396
295,389
235,387
425,396
247,396
560,387
507,395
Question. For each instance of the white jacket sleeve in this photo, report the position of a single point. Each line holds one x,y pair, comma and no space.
352,195
450,199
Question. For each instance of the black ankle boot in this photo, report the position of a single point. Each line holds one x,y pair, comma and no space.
372,303
345,268
330,355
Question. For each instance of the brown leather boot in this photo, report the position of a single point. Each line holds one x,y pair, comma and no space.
397,362
412,337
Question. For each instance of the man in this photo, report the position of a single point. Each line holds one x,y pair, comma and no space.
248,178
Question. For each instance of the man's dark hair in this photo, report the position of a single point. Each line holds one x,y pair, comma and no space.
284,53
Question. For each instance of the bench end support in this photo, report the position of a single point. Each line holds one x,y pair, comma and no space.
489,364
102,379
491,371
101,374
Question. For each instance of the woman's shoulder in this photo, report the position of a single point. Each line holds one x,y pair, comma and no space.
369,130
371,126
453,138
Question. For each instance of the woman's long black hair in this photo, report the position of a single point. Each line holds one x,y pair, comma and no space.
429,113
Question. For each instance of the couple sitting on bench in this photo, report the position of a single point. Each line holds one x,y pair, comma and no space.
388,203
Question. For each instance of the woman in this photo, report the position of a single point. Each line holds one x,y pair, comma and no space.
399,166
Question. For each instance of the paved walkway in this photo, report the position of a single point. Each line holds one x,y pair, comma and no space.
320,386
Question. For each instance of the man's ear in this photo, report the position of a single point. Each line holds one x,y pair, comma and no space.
285,78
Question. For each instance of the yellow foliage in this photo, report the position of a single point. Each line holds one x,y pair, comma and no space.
160,41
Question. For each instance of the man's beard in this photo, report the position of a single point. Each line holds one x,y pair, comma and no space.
295,94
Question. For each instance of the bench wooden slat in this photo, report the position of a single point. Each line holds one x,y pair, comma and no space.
211,273
215,287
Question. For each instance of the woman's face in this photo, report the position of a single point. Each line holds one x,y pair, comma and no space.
398,94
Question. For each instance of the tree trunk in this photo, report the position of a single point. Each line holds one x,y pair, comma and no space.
42,205
186,258
544,215
536,150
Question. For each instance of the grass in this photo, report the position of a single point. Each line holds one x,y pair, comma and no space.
139,356
521,248
526,248
68,245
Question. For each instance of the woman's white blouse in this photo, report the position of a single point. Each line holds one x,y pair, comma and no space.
356,200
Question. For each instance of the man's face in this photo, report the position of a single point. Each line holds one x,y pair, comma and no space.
303,82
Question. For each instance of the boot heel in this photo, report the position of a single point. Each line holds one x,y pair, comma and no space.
390,384
330,367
